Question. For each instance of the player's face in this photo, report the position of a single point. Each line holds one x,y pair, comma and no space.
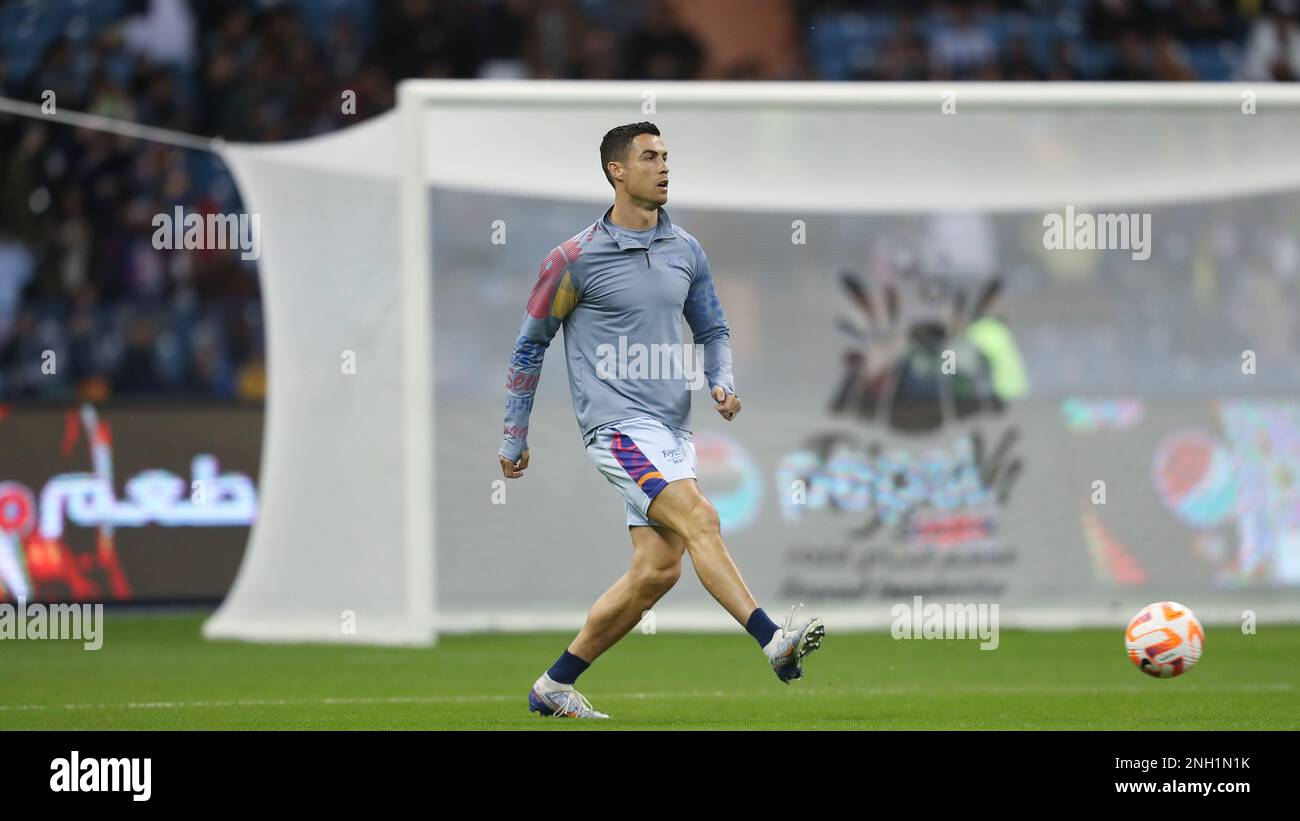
645,172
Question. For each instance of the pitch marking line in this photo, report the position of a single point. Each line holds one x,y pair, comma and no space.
867,691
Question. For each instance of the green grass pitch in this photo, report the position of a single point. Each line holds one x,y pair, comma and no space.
156,672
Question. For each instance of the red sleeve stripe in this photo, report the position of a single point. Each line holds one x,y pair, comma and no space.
548,279
549,276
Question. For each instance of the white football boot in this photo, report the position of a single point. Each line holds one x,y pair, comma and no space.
790,644
550,698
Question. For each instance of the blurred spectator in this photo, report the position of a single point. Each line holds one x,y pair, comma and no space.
502,34
1170,59
1134,61
1018,64
1109,20
1273,50
961,49
1066,64
421,38
598,55
16,266
558,31
662,49
164,33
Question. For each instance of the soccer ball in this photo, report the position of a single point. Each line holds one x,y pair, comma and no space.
1164,639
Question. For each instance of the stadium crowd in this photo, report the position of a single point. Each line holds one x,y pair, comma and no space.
79,275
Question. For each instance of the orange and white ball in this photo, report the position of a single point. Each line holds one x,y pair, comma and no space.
1164,639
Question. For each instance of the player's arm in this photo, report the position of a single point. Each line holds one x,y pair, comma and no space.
704,313
554,295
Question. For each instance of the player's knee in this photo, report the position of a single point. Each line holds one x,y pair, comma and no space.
666,577
653,582
702,522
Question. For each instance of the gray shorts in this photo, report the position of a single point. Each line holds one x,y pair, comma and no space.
640,457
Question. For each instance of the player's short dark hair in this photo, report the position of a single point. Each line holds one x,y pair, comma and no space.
618,142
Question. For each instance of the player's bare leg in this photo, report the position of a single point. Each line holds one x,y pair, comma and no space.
683,508
656,565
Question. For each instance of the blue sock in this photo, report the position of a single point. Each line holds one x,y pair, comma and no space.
567,668
761,627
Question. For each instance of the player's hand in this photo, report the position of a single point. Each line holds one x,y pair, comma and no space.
728,404
513,470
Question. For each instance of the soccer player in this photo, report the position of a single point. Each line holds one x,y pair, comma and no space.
622,282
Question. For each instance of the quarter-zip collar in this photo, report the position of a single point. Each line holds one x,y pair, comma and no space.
628,242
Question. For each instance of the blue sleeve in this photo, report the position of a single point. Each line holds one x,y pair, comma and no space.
704,314
554,296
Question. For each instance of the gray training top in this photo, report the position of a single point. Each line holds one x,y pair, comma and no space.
620,296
